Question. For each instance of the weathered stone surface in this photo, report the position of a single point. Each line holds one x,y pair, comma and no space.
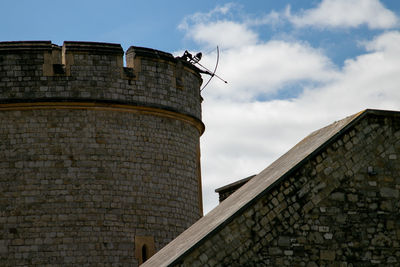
327,255
389,192
95,73
78,181
348,221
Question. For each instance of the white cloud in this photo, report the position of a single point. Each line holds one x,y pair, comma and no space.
273,18
283,63
244,55
346,13
245,134
200,17
386,42
244,137
224,33
264,68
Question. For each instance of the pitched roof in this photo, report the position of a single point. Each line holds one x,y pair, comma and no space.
255,188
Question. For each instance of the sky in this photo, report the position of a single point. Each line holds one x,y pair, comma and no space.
292,66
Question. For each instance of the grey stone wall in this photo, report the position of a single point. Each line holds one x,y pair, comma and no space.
80,177
94,71
341,208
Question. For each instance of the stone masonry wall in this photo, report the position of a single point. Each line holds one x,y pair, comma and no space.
94,71
92,157
341,208
102,178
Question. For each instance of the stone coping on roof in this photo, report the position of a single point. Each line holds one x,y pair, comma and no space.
234,184
255,188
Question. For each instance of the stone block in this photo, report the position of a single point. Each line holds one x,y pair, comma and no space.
274,251
338,196
389,192
284,241
327,255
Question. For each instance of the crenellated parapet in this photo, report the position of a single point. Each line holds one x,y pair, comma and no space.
99,162
91,71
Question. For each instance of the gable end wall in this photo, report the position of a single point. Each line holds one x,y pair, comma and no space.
340,207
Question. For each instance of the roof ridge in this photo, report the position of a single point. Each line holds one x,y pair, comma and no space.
256,187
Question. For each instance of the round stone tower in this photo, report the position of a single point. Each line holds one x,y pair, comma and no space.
99,163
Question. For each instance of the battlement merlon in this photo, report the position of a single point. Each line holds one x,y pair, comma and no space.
15,47
54,54
93,71
135,53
